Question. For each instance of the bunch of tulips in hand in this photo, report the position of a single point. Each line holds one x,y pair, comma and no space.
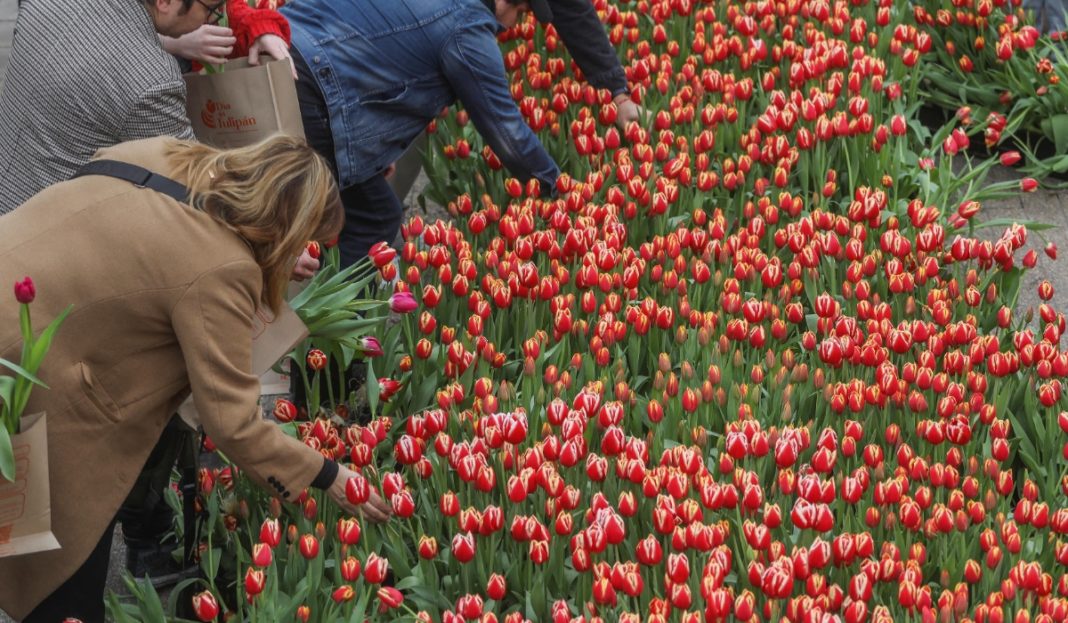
756,360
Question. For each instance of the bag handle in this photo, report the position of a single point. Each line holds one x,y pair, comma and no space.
138,176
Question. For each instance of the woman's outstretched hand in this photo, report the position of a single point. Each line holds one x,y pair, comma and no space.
374,508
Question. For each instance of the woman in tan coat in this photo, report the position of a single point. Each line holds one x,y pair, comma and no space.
164,294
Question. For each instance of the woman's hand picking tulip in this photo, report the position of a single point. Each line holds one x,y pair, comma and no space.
373,507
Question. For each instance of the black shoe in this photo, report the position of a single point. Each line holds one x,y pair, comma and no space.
156,562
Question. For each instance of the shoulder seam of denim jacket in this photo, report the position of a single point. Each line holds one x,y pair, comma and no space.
495,121
444,12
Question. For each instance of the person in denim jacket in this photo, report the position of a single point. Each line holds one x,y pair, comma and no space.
373,73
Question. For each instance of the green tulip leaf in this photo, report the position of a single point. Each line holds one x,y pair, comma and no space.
7,456
1059,126
23,372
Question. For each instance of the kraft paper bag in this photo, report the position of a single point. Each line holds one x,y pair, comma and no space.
272,339
25,506
272,382
243,104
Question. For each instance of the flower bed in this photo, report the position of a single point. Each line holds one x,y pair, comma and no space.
991,59
753,362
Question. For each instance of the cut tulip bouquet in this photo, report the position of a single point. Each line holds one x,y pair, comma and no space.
15,388
753,361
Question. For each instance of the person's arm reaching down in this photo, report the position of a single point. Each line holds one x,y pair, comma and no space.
473,65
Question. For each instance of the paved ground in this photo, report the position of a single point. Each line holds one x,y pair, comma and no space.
1043,206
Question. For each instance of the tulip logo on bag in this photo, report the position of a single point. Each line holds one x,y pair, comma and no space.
216,115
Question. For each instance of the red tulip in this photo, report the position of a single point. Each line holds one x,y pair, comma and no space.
261,555
1010,158
402,303
469,607
270,532
496,587
428,547
205,606
369,346
255,580
375,569
381,254
316,359
357,490
403,505
387,388
284,410
343,593
25,291
463,547
604,592
309,546
348,530
389,598
350,569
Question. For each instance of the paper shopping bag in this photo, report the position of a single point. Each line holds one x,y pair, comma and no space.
243,104
25,507
272,338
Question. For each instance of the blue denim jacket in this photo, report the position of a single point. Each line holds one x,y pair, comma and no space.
386,68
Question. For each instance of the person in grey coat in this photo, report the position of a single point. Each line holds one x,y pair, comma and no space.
68,94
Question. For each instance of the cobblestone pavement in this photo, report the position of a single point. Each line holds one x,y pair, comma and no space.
1046,206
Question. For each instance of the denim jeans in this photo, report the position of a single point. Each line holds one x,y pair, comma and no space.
82,595
1049,14
373,212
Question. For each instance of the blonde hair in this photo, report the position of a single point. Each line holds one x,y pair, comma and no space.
277,195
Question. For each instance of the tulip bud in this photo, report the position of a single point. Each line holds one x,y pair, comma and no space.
205,606
1010,158
343,593
316,359
309,546
497,587
25,291
402,303
284,410
261,555
254,582
389,598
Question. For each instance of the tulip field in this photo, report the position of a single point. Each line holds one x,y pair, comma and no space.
755,359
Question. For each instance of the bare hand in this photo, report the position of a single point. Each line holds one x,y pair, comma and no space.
209,44
305,267
273,46
375,508
627,111
390,171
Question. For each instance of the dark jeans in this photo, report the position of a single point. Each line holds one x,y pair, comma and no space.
372,210
145,515
81,596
